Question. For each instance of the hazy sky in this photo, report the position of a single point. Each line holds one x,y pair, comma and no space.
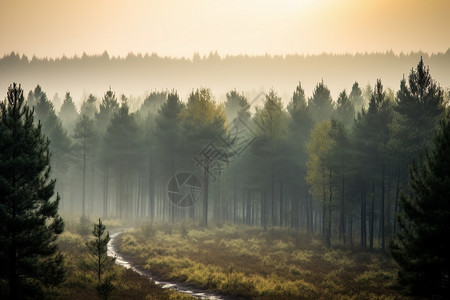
181,27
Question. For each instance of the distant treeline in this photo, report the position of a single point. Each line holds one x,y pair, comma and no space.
335,168
138,74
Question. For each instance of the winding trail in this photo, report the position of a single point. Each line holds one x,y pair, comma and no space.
182,288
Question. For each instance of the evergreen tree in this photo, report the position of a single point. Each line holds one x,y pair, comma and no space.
29,220
370,137
422,248
101,263
84,132
271,121
345,111
34,96
57,102
300,125
321,104
356,97
236,106
61,143
89,107
68,113
106,111
203,121
152,103
167,134
121,150
419,107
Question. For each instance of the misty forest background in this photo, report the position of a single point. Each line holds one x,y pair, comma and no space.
334,166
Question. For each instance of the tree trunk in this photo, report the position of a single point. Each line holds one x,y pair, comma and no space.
234,196
371,217
363,218
342,229
329,214
281,204
105,194
205,195
263,210
350,225
397,194
84,177
383,240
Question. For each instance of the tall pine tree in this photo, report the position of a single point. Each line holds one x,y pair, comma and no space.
29,220
422,248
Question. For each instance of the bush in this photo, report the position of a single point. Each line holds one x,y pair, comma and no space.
237,284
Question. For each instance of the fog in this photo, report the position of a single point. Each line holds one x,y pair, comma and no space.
235,177
137,75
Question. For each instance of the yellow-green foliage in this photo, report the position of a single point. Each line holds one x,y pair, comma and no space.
169,262
179,296
338,258
251,263
130,245
237,284
302,255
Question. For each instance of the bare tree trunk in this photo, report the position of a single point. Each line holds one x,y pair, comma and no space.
363,218
235,196
342,229
329,214
371,217
105,193
205,196
397,194
383,240
84,177
281,204
272,213
263,210
350,227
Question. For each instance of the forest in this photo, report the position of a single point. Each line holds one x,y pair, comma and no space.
334,169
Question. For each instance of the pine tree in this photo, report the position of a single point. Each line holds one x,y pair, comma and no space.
84,132
68,113
300,125
321,104
356,97
101,263
345,110
422,248
29,220
121,150
419,106
89,107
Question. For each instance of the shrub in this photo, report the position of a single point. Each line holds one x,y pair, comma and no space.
237,284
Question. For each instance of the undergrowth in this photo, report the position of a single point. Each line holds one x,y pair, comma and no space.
252,263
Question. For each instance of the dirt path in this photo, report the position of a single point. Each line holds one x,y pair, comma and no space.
125,262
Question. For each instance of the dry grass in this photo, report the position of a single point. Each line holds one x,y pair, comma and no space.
248,262
80,281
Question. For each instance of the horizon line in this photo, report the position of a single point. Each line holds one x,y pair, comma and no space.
223,56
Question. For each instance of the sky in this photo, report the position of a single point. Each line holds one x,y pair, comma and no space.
178,28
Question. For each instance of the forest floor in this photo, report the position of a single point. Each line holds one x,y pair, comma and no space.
247,262
81,279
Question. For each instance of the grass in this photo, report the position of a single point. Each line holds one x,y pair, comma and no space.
248,262
80,280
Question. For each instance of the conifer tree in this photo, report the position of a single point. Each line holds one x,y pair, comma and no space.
68,113
422,248
29,220
84,132
321,104
101,263
356,97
